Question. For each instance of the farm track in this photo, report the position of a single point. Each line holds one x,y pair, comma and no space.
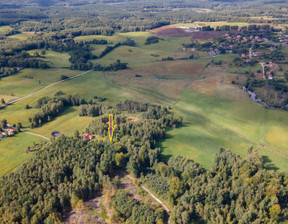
41,136
154,197
46,87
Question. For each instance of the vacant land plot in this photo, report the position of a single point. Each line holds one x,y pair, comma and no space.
12,151
178,32
22,36
5,28
30,80
54,59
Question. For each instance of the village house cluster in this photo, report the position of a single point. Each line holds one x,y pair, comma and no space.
9,131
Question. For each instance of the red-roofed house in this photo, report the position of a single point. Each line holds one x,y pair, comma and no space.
256,53
243,55
11,131
272,64
88,137
270,77
256,74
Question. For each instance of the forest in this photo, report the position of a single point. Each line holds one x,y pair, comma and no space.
68,171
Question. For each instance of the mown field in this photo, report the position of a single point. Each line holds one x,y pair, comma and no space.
216,113
12,151
5,28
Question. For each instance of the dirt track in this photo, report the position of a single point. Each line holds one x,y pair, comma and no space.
154,197
46,87
178,32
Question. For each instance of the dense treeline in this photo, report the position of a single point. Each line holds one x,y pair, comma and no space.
49,184
233,190
131,211
118,65
23,60
108,49
52,107
70,170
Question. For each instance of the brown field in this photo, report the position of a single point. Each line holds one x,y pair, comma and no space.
167,79
215,81
178,32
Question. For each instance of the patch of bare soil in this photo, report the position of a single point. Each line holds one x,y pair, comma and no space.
178,32
133,119
215,81
91,214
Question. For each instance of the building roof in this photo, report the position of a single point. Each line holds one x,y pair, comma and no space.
258,74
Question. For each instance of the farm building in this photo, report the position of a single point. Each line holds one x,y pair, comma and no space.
256,74
88,137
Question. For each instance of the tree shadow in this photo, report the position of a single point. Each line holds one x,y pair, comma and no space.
268,164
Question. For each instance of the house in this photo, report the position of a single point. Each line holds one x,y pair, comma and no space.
256,54
270,77
88,137
11,131
248,60
271,64
271,48
256,74
243,55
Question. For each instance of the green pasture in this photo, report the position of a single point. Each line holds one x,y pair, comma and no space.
22,36
5,28
212,122
54,59
12,151
242,70
30,80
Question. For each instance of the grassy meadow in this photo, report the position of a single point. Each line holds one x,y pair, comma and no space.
12,151
5,28
216,113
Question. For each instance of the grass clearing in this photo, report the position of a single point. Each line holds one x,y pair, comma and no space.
30,80
54,59
12,151
212,122
5,28
22,36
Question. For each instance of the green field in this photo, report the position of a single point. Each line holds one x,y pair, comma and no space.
54,59
215,112
22,36
212,122
5,28
12,151
30,80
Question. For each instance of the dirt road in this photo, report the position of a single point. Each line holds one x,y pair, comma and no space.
46,87
41,136
154,197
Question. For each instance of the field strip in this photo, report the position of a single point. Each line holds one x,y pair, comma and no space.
46,87
41,136
154,197
216,125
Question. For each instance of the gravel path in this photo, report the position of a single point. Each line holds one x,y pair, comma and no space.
46,87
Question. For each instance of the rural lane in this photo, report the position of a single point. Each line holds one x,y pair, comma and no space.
154,197
41,136
46,87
